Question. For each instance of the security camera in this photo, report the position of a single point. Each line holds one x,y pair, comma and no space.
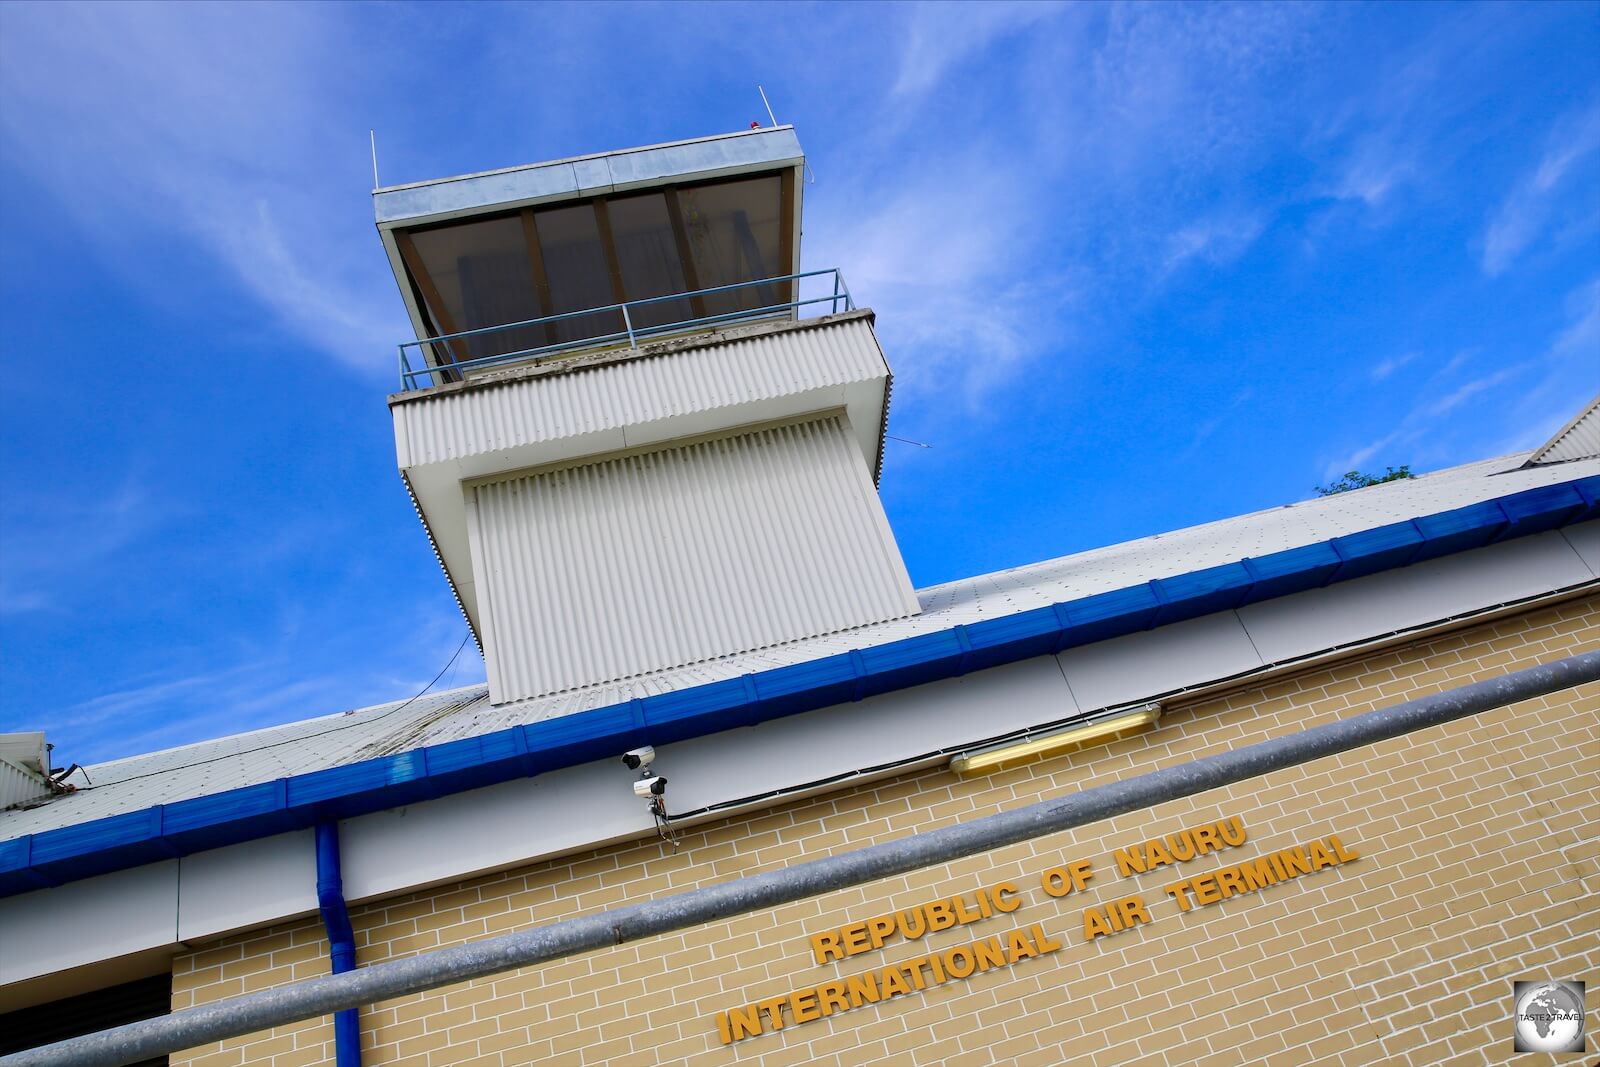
639,757
650,786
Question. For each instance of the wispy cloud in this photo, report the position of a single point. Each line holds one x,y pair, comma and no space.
53,545
1386,367
939,37
171,707
1513,407
239,151
1224,414
1218,239
1526,211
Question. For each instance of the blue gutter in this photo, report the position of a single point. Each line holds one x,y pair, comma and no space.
341,939
139,837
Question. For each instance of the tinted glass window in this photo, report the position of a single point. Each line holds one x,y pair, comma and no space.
569,238
647,253
733,232
481,273
547,261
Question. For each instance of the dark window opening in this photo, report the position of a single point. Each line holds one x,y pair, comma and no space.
88,1013
574,257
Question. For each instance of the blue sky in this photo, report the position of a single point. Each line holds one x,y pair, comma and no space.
1136,267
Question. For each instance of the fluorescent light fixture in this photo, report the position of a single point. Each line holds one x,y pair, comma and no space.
1000,757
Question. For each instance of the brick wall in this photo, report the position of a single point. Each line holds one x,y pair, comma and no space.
1479,862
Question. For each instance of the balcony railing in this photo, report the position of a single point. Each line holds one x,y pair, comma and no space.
450,357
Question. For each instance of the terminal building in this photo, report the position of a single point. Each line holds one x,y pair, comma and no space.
645,445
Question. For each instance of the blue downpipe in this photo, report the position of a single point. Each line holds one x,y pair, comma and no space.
341,940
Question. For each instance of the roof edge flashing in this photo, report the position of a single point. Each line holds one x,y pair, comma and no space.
69,853
416,203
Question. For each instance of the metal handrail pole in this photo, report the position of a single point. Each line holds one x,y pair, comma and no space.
410,377
732,286
543,320
313,997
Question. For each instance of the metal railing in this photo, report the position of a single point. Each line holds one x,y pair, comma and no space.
311,997
433,360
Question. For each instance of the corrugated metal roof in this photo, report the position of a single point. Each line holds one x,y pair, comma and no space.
1578,439
297,748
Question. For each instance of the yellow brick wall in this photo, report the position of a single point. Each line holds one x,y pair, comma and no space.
1480,863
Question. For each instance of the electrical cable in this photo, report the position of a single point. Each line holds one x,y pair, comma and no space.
304,737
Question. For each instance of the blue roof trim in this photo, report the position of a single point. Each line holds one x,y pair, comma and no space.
135,838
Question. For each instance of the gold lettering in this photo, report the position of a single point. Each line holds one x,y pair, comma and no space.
960,962
744,1022
1179,892
1257,874
1294,861
1000,891
1081,872
1130,861
863,989
989,954
1043,941
1229,881
879,928
1018,947
1130,911
833,998
1095,924
1232,831
803,1005
940,917
1345,854
855,938
1204,887
893,982
826,946
1320,856
1206,840
908,929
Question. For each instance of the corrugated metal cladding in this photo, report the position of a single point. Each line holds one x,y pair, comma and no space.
1578,439
633,392
18,785
644,562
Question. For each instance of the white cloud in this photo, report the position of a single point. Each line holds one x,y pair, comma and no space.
1525,213
220,128
941,36
1218,239
1386,368
1508,409
52,541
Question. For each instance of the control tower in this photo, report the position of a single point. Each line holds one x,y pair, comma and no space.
638,434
